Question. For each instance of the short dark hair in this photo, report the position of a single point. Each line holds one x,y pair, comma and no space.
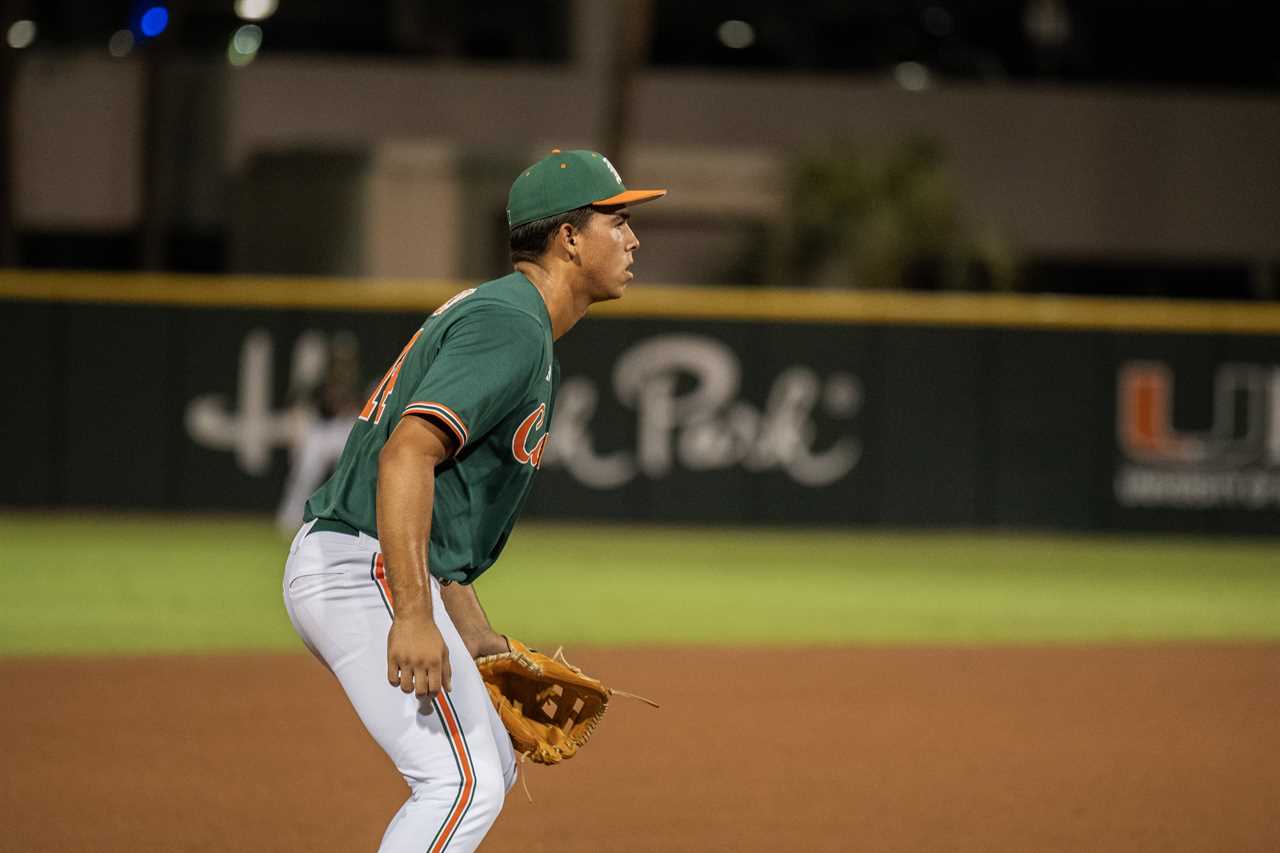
529,241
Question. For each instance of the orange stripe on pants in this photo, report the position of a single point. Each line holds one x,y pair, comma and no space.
380,575
468,774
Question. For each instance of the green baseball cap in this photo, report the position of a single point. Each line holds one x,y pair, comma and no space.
566,180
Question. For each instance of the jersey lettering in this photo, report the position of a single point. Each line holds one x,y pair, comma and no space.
377,403
519,448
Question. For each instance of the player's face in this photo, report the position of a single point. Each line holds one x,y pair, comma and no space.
606,251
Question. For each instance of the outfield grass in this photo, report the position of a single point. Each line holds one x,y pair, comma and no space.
115,584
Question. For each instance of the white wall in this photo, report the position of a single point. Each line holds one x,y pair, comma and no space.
78,146
1065,170
1069,171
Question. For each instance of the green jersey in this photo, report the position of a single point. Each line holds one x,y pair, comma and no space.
483,369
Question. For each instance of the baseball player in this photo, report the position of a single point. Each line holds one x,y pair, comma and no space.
434,473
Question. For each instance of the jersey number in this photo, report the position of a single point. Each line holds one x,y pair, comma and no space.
378,399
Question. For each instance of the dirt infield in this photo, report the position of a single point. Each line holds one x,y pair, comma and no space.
1111,749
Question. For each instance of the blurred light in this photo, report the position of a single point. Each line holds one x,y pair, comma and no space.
255,10
21,34
937,21
736,34
244,44
154,21
121,44
912,76
247,39
1047,22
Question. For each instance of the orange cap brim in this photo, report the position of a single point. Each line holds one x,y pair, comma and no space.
629,197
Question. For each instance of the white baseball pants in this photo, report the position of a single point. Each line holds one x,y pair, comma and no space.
453,752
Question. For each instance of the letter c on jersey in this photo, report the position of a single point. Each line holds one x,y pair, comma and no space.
518,441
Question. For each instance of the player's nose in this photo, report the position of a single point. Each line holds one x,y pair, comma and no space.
633,242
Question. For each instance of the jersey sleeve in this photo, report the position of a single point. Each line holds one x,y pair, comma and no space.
483,370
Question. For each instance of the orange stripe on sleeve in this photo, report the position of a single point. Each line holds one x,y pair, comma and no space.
443,414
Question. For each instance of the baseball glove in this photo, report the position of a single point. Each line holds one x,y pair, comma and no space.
549,706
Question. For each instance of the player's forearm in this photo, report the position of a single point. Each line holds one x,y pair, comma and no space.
471,621
406,492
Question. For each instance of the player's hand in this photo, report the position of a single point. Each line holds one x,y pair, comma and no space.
417,657
487,643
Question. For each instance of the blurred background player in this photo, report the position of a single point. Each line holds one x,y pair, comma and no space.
324,414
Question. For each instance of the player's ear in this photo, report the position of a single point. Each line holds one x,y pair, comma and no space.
567,237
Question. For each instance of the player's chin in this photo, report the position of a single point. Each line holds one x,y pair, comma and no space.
619,286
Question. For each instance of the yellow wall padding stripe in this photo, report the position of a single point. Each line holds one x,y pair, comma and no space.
659,302
194,291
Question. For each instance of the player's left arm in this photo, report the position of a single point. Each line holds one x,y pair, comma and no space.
470,620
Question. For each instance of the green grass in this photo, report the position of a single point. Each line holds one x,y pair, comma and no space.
129,584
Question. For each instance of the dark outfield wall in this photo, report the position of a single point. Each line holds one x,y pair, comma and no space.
728,421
